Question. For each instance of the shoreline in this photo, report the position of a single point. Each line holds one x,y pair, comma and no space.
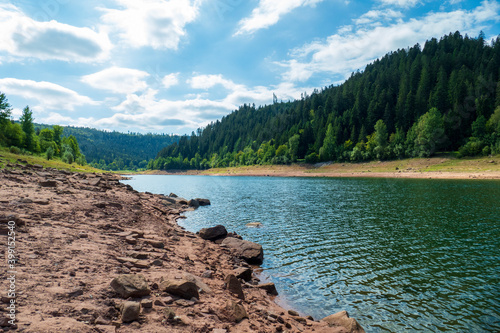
79,234
418,168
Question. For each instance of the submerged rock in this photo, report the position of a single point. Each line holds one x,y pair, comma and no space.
254,225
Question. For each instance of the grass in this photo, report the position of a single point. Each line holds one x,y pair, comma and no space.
7,157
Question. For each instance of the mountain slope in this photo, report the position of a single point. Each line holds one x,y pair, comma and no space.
423,100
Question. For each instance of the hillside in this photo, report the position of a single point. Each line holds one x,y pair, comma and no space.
114,150
413,102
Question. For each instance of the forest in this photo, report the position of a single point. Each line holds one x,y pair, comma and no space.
119,151
414,102
21,137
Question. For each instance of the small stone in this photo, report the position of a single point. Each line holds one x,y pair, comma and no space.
234,312
208,274
130,311
270,288
130,285
158,302
234,286
293,313
131,240
141,264
169,313
155,243
101,321
146,303
157,262
48,183
244,273
183,288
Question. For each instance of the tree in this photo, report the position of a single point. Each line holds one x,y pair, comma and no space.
293,144
380,139
430,133
327,152
5,110
57,134
28,129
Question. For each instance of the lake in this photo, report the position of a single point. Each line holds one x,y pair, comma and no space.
398,254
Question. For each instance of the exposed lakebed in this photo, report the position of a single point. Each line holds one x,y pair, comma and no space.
397,254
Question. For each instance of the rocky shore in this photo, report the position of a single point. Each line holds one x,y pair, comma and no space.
94,255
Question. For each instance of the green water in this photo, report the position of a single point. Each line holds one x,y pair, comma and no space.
399,255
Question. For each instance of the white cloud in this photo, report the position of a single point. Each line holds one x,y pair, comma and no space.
401,3
378,17
170,80
47,94
155,23
343,53
269,12
24,37
209,81
118,80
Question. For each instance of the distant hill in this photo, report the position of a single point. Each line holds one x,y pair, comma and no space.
417,101
115,150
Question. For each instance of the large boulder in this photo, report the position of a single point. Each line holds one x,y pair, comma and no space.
342,319
213,233
130,285
249,251
182,288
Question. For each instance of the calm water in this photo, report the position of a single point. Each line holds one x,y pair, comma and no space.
399,255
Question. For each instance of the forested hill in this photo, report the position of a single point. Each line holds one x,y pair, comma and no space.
411,102
118,151
115,150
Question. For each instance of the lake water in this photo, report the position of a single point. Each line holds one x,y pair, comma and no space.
400,255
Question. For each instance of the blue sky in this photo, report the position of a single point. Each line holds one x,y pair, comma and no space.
171,66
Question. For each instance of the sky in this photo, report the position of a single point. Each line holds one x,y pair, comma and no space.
172,66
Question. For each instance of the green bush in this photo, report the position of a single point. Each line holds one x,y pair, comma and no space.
67,157
49,154
15,150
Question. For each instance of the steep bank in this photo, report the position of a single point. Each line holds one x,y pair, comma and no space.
76,233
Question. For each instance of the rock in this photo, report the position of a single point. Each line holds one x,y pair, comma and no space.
234,312
131,240
293,313
155,243
219,330
75,293
169,313
207,274
157,262
234,286
213,233
101,321
183,288
193,203
146,303
130,311
254,224
130,285
249,251
270,288
244,273
48,183
172,195
203,202
139,255
342,319
141,264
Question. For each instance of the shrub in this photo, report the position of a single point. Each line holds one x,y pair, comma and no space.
15,150
67,157
49,154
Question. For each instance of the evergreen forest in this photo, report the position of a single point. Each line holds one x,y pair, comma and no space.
414,102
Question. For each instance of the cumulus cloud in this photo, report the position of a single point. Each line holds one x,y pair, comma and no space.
378,17
24,37
342,53
170,80
269,12
401,3
155,23
209,81
118,80
48,95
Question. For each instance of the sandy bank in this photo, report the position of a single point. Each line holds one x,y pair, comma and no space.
76,233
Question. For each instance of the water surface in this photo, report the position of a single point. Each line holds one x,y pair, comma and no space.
400,255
